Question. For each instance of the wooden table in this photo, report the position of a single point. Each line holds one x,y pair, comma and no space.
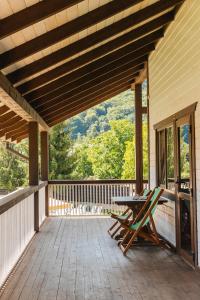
133,201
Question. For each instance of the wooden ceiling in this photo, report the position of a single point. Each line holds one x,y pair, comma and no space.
65,56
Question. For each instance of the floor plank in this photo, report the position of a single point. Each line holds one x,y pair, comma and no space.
74,258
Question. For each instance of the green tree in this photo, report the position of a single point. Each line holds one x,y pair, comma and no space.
83,166
62,157
107,150
13,170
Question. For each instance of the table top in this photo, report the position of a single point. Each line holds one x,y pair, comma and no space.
133,200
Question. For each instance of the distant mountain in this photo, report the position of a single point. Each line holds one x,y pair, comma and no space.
96,119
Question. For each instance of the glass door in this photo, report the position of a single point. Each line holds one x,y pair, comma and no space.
184,188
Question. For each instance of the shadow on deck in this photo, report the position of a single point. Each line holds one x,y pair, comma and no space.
74,258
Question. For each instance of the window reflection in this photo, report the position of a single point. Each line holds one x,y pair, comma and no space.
184,153
170,159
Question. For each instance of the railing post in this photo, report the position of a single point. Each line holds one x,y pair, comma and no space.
44,138
138,138
33,168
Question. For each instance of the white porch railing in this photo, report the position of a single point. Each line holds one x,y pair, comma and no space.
87,197
17,225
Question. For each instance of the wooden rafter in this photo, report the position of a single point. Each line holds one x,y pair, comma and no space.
13,99
62,32
124,78
3,109
91,40
113,56
89,104
8,129
98,76
87,89
85,73
33,14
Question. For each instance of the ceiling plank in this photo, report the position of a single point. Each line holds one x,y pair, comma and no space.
109,94
107,59
112,83
62,32
19,135
33,14
14,100
85,43
84,73
86,89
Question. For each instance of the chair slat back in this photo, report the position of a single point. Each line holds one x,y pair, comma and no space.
154,197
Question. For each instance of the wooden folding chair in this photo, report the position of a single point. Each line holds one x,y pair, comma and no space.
123,217
140,227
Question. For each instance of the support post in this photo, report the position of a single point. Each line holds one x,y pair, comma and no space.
138,138
44,138
33,168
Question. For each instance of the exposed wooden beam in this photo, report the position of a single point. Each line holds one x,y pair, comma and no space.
7,116
12,98
93,55
8,129
32,14
106,96
62,32
11,122
4,109
83,74
86,90
123,79
81,82
14,137
107,59
85,43
16,131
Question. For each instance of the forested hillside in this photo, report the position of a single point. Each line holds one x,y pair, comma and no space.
96,120
98,143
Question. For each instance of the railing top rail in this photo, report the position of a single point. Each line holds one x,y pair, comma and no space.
15,197
102,181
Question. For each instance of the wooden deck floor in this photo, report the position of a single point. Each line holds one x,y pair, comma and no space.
74,258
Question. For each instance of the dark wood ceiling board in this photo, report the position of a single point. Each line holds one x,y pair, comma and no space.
19,135
86,106
4,109
33,14
17,131
64,31
98,64
60,107
81,82
10,122
93,55
8,129
84,44
87,72
87,89
7,116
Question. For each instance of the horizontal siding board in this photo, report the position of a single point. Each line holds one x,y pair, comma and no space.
174,72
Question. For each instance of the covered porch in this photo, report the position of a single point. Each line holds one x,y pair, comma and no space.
53,234
75,258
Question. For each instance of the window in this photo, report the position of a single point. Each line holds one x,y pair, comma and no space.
165,158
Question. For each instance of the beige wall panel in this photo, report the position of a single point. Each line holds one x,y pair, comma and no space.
174,70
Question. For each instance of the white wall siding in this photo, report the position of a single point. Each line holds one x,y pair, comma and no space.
174,75
16,230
